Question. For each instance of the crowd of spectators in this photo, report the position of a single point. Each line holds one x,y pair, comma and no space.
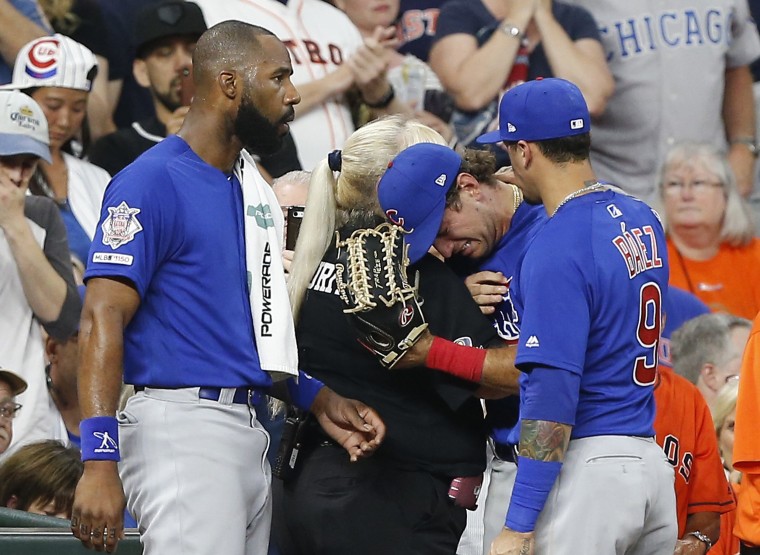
672,89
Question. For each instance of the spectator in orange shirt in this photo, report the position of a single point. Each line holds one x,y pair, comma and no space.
746,455
710,231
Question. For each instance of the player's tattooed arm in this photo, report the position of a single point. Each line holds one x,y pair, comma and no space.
544,440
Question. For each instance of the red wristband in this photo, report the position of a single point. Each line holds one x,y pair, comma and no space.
457,360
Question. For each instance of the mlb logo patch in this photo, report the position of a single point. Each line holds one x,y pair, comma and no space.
576,123
121,225
42,62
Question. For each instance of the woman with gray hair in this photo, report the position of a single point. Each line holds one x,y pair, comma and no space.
711,245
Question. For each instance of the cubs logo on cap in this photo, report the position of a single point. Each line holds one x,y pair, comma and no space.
412,192
54,61
540,110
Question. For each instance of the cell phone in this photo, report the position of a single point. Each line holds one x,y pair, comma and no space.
295,217
187,86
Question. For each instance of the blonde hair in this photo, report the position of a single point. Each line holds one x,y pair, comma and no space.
334,196
738,226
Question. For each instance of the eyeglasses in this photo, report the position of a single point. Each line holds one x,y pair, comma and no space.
731,378
698,186
9,410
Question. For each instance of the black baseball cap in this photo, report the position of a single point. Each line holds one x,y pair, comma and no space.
167,19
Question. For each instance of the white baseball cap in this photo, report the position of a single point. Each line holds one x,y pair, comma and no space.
23,127
54,61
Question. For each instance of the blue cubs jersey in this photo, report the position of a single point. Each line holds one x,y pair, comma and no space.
502,414
590,292
173,226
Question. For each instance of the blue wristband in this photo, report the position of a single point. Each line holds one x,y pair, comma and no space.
305,391
100,438
534,481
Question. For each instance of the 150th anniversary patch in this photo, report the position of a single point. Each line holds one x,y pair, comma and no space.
121,225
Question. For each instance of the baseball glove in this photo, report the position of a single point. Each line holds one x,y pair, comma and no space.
372,282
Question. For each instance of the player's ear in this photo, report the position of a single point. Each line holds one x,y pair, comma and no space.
466,183
12,502
228,83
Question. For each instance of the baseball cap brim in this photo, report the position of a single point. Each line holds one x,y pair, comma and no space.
423,235
12,145
490,137
17,383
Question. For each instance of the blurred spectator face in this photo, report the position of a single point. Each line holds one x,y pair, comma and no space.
368,14
64,109
161,69
693,196
726,440
729,369
38,507
19,168
7,411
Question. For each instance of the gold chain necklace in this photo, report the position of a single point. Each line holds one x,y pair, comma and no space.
517,197
596,186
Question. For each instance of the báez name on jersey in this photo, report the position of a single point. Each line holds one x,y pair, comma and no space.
632,246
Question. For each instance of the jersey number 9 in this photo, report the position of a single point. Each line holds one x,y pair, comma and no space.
648,333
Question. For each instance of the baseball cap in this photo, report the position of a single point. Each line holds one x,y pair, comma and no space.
17,383
540,110
412,192
23,127
166,19
54,61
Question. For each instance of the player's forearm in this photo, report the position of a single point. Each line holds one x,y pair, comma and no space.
23,31
101,352
44,289
543,440
582,63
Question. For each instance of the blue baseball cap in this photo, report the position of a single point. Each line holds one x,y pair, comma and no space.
540,110
412,192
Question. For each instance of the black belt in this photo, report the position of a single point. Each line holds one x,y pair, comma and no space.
242,396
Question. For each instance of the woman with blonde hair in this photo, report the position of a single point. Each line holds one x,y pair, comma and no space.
724,416
710,231
434,446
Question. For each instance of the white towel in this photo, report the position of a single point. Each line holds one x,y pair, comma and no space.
270,305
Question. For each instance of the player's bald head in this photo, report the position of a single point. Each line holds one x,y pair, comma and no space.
227,46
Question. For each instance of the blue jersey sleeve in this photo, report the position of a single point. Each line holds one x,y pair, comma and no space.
137,228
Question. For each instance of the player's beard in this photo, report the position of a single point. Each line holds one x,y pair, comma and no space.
255,131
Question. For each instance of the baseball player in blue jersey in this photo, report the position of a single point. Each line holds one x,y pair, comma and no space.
482,226
186,297
590,478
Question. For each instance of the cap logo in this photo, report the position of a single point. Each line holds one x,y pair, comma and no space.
576,123
42,62
25,118
511,128
441,181
393,216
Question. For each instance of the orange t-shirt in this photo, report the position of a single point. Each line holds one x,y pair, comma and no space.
729,282
746,443
686,433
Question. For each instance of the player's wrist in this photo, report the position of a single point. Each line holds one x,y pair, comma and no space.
100,439
535,480
458,360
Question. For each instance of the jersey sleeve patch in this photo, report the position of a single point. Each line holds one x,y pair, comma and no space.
113,258
120,226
